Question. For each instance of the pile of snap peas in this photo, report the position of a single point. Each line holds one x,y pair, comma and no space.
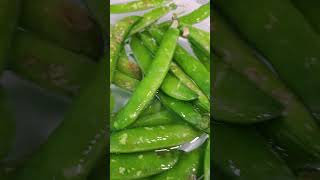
169,104
270,54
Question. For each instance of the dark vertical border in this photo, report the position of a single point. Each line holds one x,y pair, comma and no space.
107,54
211,87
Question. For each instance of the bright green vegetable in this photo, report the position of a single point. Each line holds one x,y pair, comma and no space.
147,88
201,56
128,67
150,138
118,34
66,23
125,82
72,154
9,13
160,118
141,54
137,5
139,165
186,111
186,168
198,37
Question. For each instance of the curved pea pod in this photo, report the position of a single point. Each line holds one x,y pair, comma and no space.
128,67
149,85
206,165
191,66
7,127
141,54
137,5
163,117
233,159
48,66
151,17
8,21
172,86
98,9
154,107
63,22
118,34
186,111
150,138
280,32
198,37
79,142
186,168
125,82
140,165
245,106
297,132
201,56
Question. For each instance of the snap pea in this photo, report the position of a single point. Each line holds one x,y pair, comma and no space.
9,12
7,127
280,32
150,138
248,105
154,107
63,22
186,111
186,168
139,165
147,88
72,154
234,160
148,41
163,117
194,17
201,56
198,37
51,67
297,131
125,82
188,63
141,54
127,67
118,34
151,17
206,166
137,5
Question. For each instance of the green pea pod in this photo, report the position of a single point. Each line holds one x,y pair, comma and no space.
249,105
150,138
186,168
8,21
194,68
98,9
127,67
151,17
149,85
7,127
125,82
141,54
148,41
198,37
234,160
201,56
309,8
280,32
63,22
137,5
186,111
297,132
117,36
206,166
160,118
154,107
194,17
49,66
139,165
79,142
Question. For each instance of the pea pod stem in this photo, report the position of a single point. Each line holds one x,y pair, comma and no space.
137,5
197,37
147,88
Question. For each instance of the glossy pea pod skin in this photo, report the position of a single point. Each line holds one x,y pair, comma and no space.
188,63
296,132
163,117
9,13
140,165
73,154
149,85
171,85
151,17
128,67
186,111
124,81
63,22
150,138
49,66
280,32
233,160
201,56
7,127
198,37
137,5
249,105
118,34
